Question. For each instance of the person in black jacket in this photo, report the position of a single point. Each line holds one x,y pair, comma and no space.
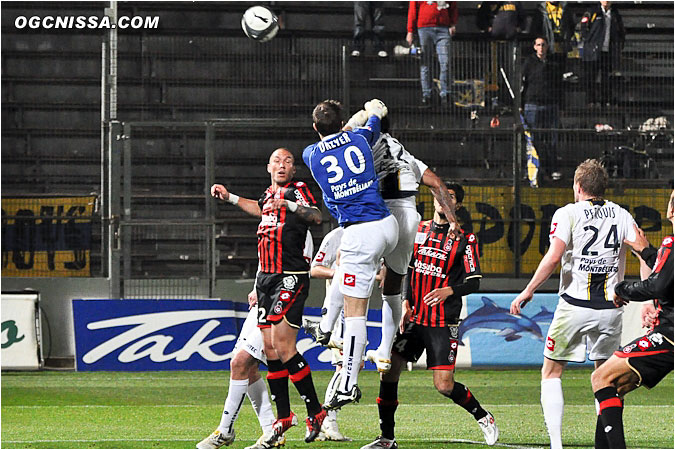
541,96
647,359
555,22
603,37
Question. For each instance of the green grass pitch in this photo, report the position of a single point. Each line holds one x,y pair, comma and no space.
178,409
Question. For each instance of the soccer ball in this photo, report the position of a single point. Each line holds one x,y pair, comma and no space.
260,23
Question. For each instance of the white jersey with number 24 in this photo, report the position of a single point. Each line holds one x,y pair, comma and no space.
594,258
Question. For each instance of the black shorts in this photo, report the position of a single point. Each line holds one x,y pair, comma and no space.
281,296
650,357
440,343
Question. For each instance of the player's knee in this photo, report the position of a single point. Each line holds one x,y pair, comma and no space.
240,365
444,387
600,379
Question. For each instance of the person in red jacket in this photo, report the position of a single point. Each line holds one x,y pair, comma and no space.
435,25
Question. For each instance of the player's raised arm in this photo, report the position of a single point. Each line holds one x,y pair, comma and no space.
440,193
249,206
546,267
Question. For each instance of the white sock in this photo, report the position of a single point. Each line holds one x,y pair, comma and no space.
334,304
235,398
552,403
260,399
354,345
391,317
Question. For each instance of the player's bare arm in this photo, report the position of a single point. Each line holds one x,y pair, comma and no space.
546,267
438,190
309,215
322,272
249,206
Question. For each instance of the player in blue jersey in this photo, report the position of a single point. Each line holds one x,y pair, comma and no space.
342,164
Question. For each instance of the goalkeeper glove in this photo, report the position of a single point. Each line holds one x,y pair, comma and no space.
358,120
376,107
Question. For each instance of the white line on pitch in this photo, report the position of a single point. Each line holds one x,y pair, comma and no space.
401,405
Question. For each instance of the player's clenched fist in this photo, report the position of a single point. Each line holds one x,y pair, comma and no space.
220,192
358,120
376,107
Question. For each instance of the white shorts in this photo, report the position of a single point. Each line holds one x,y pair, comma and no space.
576,330
362,246
250,338
408,221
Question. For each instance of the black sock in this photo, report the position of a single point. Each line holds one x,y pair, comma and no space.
387,402
277,378
301,376
600,436
462,396
611,415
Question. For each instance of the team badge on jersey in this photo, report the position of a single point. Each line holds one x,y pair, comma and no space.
349,280
290,281
420,238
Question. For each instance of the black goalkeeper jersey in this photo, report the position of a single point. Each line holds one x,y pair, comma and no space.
282,234
437,262
658,287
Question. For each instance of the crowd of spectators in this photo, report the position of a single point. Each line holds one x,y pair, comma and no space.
595,37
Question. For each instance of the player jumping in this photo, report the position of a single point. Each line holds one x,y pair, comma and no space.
399,174
342,164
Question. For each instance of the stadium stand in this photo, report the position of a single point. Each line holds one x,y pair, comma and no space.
198,66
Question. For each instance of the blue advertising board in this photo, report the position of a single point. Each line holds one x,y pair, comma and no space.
497,338
144,335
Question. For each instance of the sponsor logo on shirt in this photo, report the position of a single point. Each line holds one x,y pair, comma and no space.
319,257
644,344
469,259
433,253
428,269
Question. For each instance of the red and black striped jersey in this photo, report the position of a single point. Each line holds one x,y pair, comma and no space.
658,287
281,234
438,262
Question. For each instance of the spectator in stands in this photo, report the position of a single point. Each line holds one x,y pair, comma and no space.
541,81
503,20
603,36
556,22
362,12
435,26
